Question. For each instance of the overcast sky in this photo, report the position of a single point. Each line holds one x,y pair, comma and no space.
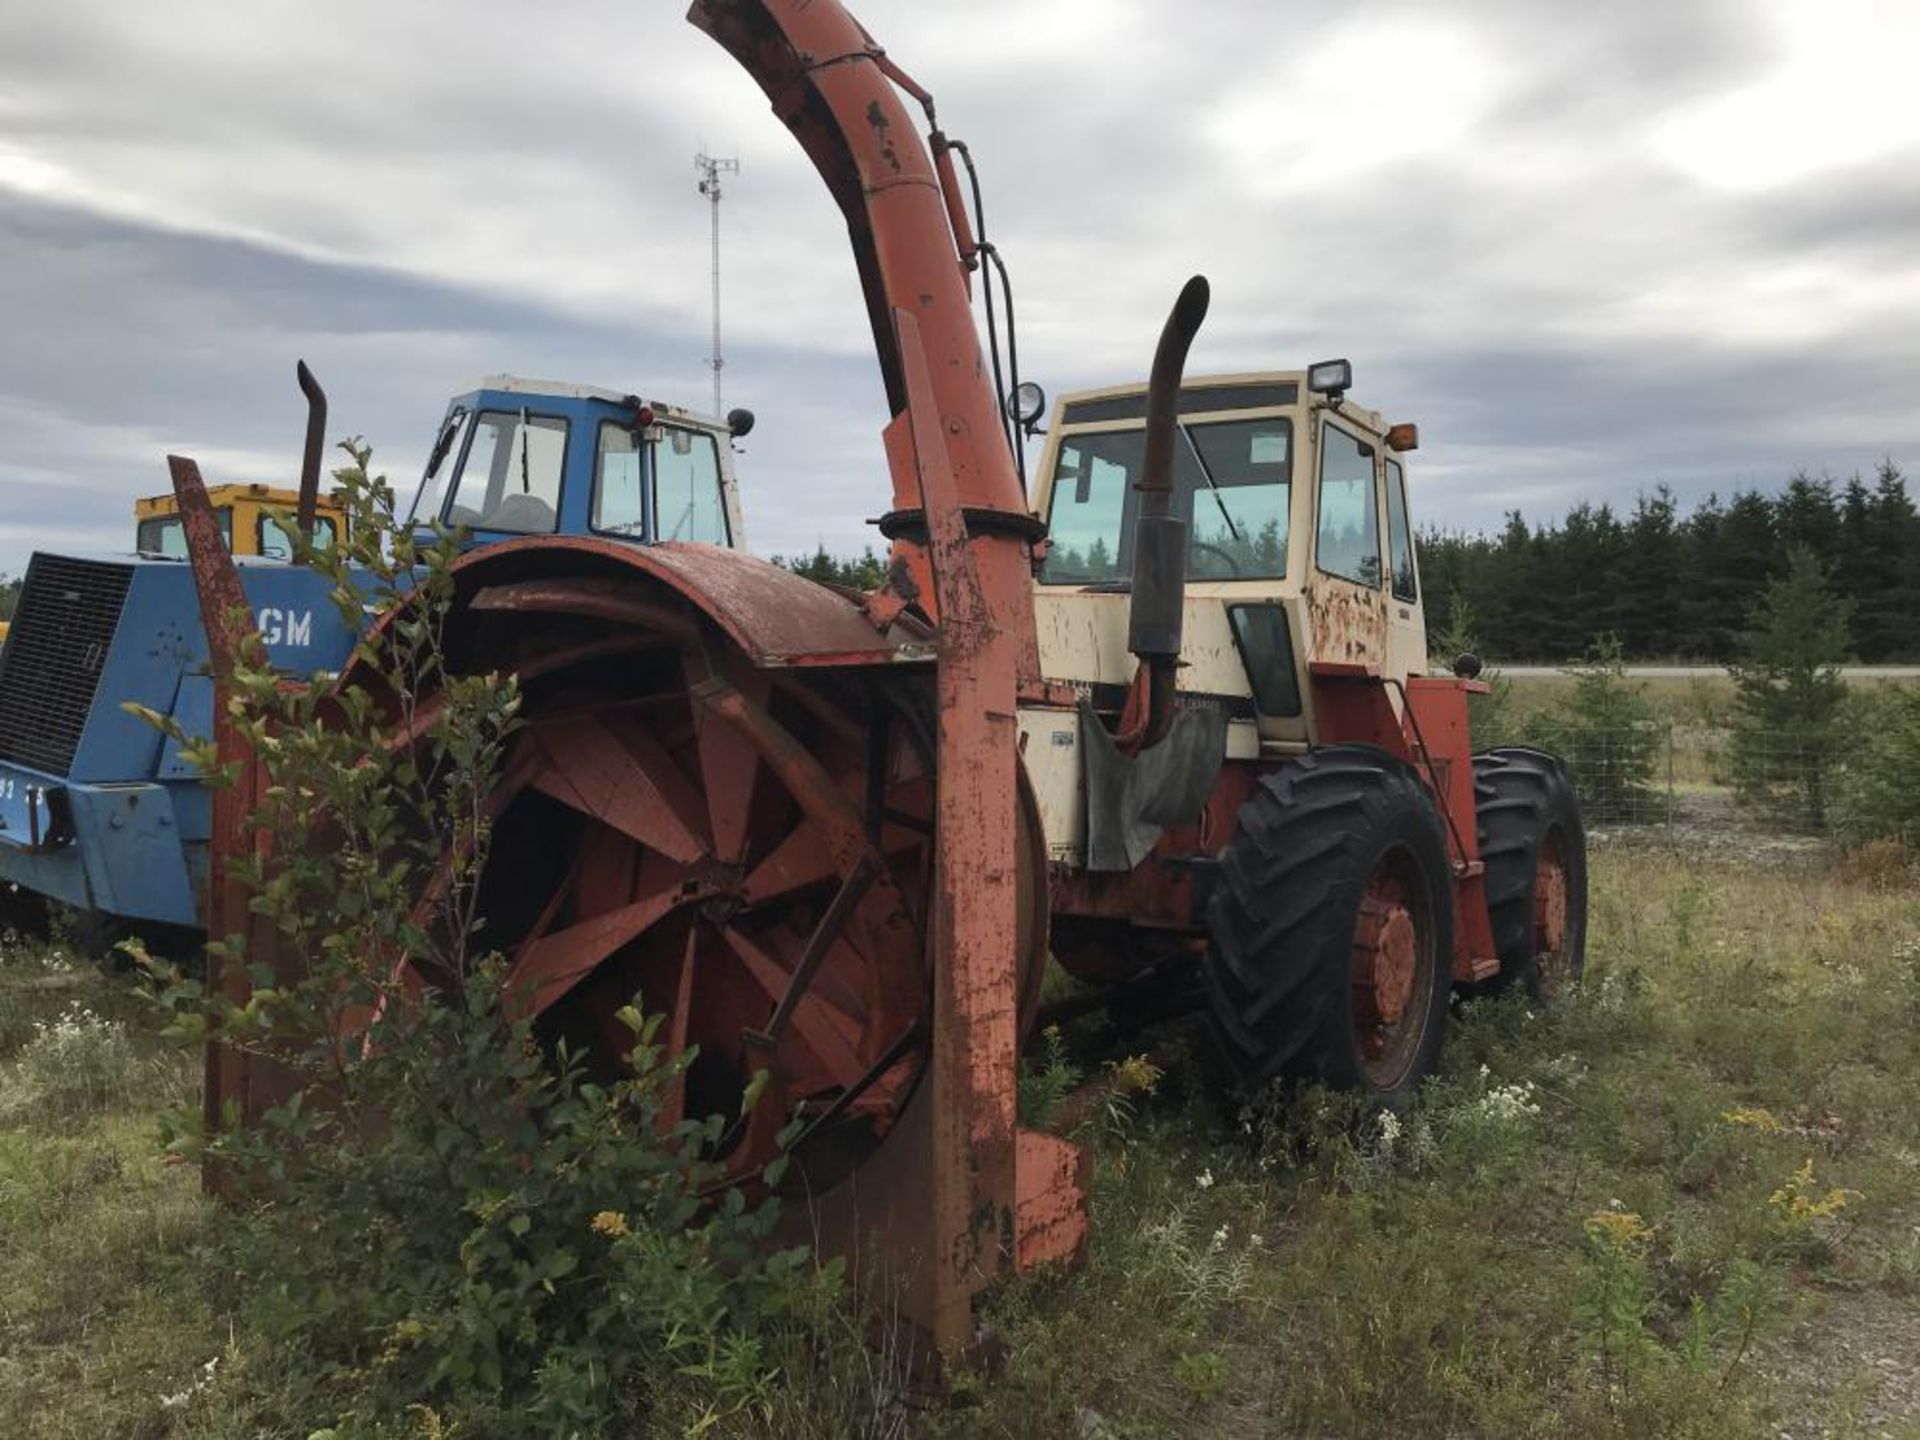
1588,248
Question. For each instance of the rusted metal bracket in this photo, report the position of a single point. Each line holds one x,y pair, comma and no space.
226,619
839,911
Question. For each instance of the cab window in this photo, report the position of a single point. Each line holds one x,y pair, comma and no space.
276,540
510,478
441,461
687,503
1348,540
1231,483
1400,535
168,536
619,484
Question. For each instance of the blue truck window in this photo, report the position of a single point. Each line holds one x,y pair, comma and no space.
511,477
618,507
687,487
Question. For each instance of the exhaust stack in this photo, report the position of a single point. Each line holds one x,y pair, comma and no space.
1159,536
316,445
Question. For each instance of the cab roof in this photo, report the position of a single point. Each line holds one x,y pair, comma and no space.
167,504
568,390
1201,395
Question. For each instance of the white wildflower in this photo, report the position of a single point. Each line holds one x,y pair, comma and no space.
181,1397
1204,1180
1504,1105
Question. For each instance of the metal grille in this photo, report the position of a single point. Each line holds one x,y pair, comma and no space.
50,669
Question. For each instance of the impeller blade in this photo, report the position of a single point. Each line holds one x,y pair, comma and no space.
628,782
549,966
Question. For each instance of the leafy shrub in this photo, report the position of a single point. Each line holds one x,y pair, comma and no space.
447,1213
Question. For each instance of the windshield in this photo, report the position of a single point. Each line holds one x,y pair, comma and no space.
276,535
441,461
510,476
1231,484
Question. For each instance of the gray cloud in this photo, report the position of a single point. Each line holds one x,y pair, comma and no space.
1483,204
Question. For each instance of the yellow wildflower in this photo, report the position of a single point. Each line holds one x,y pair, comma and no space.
1618,1229
610,1223
1801,1199
1136,1075
1753,1119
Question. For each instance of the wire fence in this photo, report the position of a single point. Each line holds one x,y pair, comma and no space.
1692,781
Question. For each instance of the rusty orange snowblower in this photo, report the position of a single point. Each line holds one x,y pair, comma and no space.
1169,720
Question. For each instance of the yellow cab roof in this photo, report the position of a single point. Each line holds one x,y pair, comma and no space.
219,495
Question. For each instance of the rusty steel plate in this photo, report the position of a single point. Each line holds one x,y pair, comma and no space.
779,619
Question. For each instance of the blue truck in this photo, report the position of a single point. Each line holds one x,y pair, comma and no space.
101,814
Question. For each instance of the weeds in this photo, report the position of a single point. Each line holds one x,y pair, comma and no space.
1428,1272
76,1061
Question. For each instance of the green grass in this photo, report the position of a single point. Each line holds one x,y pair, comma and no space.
1444,1282
1444,1287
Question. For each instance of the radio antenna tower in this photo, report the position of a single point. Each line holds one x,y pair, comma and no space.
711,168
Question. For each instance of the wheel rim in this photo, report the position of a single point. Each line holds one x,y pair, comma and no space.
1552,911
1393,960
752,853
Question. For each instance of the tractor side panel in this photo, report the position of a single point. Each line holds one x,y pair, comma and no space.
1050,750
1083,645
97,808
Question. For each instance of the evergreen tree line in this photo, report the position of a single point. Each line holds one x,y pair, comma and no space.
1684,586
867,572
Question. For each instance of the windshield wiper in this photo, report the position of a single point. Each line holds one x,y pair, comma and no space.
1207,475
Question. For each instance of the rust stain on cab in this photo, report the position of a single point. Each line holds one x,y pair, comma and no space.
1348,622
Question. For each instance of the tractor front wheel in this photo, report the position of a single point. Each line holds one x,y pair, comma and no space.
1535,851
1331,926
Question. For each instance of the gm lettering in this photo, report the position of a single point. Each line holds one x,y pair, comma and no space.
286,627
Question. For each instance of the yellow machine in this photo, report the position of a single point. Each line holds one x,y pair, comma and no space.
246,520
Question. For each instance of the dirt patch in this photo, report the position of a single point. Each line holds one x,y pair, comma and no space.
1710,825
1853,1370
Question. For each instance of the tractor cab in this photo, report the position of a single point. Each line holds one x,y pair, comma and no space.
520,457
252,521
1300,560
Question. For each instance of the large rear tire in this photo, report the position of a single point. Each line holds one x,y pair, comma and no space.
1534,846
1331,927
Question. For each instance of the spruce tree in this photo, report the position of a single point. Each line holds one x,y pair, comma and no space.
1649,578
1806,516
1789,693
1886,599
1735,571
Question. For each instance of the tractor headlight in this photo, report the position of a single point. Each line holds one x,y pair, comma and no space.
1027,404
1330,377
